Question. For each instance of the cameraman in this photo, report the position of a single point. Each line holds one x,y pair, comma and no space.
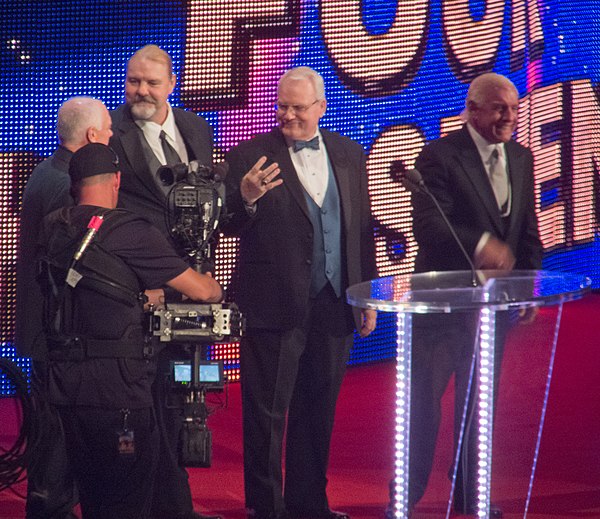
101,368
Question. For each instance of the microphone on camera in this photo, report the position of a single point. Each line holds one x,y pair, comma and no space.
413,181
93,226
73,276
220,170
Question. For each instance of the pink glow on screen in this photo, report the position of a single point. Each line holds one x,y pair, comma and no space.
270,60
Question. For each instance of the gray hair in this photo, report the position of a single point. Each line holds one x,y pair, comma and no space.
481,86
76,116
299,73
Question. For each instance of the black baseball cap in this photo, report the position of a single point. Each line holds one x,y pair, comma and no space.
92,159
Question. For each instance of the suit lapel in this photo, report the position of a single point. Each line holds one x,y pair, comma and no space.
341,170
280,154
475,171
132,147
516,167
192,138
339,163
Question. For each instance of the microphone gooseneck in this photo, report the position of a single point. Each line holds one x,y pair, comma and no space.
413,181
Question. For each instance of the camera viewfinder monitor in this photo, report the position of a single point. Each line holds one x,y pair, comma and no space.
182,371
210,373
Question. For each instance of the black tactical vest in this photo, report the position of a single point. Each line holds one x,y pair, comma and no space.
93,307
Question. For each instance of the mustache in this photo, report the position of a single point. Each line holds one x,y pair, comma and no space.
144,99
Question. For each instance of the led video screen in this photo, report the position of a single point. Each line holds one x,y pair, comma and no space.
396,76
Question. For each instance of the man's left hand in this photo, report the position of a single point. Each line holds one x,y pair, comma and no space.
259,181
369,321
156,299
528,315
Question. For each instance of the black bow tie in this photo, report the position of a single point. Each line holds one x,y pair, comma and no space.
313,144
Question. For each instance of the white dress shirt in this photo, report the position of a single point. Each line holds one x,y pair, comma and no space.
485,150
152,131
312,167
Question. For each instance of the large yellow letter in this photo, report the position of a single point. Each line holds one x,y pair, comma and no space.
394,151
374,65
471,45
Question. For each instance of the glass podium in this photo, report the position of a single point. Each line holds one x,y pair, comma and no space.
513,397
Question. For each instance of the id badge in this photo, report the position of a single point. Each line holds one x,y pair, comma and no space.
126,443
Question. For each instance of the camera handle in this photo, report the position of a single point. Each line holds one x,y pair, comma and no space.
196,438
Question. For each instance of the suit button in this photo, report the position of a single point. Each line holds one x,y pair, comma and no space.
309,262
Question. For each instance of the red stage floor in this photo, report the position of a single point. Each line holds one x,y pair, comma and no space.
567,483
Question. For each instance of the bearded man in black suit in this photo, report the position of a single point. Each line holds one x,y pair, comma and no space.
142,124
303,217
149,133
484,183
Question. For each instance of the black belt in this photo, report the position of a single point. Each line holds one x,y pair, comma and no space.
75,348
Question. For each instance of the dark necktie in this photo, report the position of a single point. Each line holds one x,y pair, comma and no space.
313,144
171,156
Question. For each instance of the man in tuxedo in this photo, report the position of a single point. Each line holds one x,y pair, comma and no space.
149,133
484,183
81,120
301,209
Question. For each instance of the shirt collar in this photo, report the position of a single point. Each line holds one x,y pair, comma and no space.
484,147
150,127
317,134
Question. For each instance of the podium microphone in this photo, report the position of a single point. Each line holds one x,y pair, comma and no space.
413,181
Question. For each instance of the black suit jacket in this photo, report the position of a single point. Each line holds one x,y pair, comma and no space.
47,189
276,243
139,191
455,174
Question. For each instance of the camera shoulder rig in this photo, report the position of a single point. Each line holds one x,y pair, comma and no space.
197,322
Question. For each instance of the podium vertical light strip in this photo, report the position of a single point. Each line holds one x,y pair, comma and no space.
403,363
485,394
463,420
544,407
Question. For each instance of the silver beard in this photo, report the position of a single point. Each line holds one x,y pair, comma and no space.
143,111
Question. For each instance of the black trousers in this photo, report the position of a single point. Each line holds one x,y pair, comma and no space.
442,346
51,491
111,484
297,373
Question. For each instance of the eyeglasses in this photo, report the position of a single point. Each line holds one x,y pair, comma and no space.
297,109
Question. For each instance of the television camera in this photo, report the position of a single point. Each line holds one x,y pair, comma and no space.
194,210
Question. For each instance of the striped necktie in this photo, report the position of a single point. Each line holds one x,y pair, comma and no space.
498,177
